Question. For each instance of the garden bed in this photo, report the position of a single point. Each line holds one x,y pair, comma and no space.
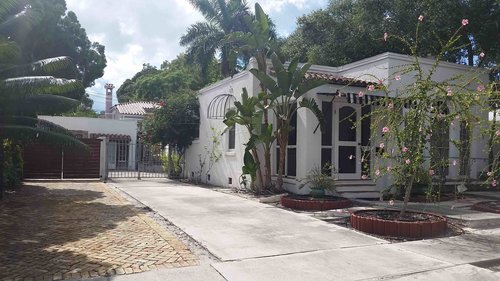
388,223
307,203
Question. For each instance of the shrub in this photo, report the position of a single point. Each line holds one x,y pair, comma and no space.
13,164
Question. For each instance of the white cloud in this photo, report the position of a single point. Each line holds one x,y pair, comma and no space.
148,31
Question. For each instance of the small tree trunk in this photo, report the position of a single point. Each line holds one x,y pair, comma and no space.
491,158
170,162
2,184
262,65
407,194
282,158
260,182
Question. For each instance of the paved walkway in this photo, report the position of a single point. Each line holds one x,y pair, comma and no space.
260,242
63,230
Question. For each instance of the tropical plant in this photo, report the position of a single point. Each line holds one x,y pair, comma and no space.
286,97
258,42
248,113
412,118
174,124
206,39
27,89
319,180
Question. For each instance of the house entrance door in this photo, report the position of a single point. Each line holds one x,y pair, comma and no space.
347,140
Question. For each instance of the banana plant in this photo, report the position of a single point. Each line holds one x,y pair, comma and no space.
258,42
286,96
249,113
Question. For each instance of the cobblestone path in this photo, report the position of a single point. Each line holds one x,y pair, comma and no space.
63,230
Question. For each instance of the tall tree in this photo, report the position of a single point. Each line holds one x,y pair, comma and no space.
349,30
27,88
206,39
154,84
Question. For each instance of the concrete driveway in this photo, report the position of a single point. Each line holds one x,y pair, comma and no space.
259,242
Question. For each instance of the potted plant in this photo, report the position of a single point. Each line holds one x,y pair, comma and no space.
319,180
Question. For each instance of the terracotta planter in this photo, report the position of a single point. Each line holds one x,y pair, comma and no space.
314,204
367,221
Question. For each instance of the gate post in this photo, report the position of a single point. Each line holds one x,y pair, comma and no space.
104,158
140,159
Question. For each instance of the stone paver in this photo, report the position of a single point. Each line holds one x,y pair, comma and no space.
63,230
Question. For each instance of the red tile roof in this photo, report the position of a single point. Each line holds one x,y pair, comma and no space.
136,108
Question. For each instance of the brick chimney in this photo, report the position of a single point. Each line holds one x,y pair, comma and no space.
109,99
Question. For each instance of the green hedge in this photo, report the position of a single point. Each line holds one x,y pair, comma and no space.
13,164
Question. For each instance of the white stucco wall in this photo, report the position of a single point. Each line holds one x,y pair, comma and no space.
231,161
308,142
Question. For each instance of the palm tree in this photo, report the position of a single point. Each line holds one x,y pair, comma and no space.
206,39
286,96
28,89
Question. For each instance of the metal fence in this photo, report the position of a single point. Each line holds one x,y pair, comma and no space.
134,160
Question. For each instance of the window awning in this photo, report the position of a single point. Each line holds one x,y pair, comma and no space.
355,98
220,105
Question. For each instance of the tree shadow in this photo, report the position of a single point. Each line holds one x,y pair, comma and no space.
47,231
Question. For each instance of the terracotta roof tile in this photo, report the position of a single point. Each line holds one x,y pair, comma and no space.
136,108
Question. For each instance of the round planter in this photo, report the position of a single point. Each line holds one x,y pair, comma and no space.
317,192
369,221
305,203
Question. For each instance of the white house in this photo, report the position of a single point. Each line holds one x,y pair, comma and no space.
121,134
340,144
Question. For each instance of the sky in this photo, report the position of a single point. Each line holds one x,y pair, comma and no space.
148,31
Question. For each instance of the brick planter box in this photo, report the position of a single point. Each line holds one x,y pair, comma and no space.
314,204
367,221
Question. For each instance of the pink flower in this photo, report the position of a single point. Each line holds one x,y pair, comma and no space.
397,77
391,202
480,88
162,103
381,145
405,149
377,172
465,22
389,168
421,18
489,174
361,94
420,130
449,92
390,106
385,129
407,161
371,88
481,55
431,172
385,36
497,133
364,177
494,183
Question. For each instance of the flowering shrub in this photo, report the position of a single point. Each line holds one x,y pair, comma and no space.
411,125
